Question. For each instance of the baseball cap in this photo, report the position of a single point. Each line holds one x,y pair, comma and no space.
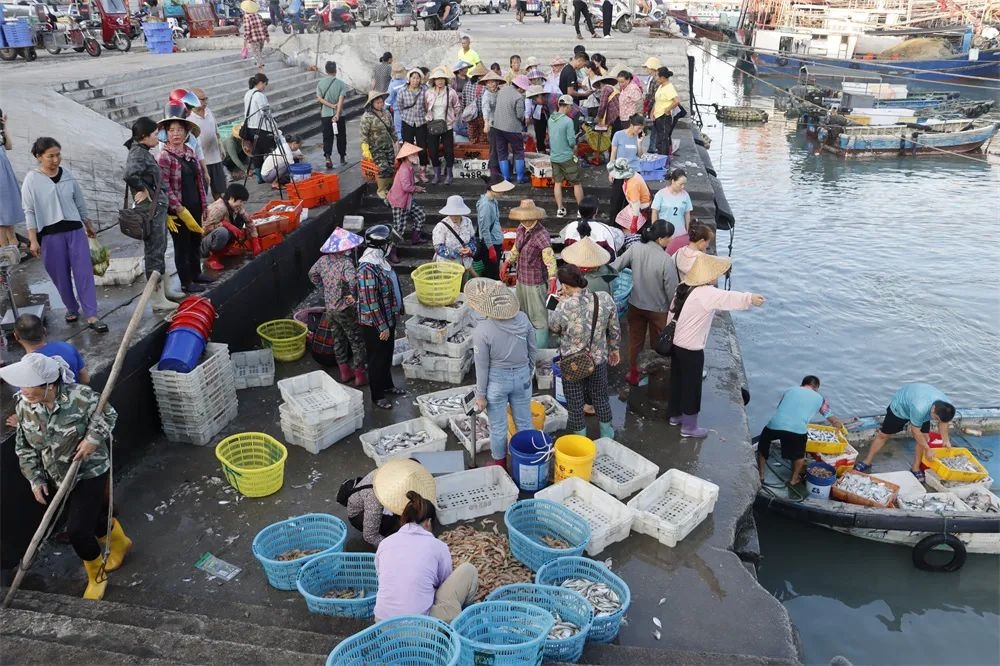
566,99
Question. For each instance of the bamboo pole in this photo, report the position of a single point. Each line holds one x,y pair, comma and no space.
67,484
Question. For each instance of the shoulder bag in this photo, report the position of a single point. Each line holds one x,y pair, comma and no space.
463,243
245,132
136,222
665,342
348,488
439,127
579,365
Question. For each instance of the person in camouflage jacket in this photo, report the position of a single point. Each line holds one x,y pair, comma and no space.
57,423
378,140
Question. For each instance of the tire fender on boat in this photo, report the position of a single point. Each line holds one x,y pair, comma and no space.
931,542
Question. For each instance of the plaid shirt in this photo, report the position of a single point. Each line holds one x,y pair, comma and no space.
336,274
376,298
410,104
254,29
170,167
473,93
533,254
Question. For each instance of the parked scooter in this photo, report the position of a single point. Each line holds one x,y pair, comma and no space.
112,22
432,10
64,31
329,17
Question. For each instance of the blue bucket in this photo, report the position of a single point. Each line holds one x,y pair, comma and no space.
300,171
530,459
557,383
182,350
819,486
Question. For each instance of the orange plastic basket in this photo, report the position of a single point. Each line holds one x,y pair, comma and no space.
368,170
292,217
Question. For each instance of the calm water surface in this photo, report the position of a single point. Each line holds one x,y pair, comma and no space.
877,273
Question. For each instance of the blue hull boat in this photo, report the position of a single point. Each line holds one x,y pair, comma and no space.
938,69
909,139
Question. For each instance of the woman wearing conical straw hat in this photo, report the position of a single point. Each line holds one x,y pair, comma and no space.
536,266
405,211
694,307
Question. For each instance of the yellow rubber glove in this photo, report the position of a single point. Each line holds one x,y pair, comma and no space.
365,151
171,224
188,220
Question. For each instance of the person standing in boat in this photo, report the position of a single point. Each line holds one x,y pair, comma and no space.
914,405
789,426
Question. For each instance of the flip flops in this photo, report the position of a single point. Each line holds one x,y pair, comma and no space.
864,468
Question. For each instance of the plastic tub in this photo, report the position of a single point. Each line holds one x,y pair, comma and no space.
530,459
502,632
571,607
332,571
312,531
193,320
604,628
817,485
181,351
574,456
285,337
537,418
300,171
438,283
530,521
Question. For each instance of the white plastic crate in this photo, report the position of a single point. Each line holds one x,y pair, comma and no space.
214,366
437,362
474,493
315,397
619,470
413,370
672,506
437,441
417,329
934,482
401,351
354,222
446,348
915,502
253,368
456,423
610,521
442,415
556,416
122,271
456,312
202,433
965,492
187,412
315,439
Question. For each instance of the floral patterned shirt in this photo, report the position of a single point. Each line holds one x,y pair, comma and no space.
336,274
572,321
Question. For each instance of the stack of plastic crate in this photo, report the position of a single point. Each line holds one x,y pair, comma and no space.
441,339
195,406
318,412
159,37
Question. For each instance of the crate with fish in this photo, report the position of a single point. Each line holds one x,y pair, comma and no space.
673,505
556,416
940,503
571,611
935,482
845,458
253,368
542,530
979,499
543,376
825,439
433,331
619,470
455,312
955,464
502,633
290,210
317,438
439,406
284,547
457,345
315,397
608,594
474,493
462,427
403,439
413,368
864,490
610,521
440,363
339,584
401,351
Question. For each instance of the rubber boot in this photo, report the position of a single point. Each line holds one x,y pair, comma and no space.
383,187
675,420
95,589
689,426
607,430
120,546
360,378
448,176
170,292
436,178
214,261
633,377
393,256
505,170
542,338
346,373
519,172
159,300
416,238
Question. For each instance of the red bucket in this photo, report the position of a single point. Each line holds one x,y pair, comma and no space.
934,441
195,320
197,304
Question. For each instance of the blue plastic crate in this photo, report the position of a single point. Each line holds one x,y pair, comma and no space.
528,521
339,571
571,607
502,632
653,174
162,49
312,531
604,628
17,34
654,161
415,640
160,38
157,28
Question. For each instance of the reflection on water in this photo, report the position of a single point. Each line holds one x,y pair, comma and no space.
877,273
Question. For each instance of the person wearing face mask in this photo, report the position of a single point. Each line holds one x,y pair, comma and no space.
405,211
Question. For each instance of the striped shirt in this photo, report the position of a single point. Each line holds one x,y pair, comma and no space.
410,104
509,113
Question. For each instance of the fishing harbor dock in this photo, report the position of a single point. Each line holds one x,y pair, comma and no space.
176,506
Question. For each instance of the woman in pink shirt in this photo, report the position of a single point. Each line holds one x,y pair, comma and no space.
699,238
694,307
404,211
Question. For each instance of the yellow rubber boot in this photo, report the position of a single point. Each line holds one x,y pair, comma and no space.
95,589
384,184
120,546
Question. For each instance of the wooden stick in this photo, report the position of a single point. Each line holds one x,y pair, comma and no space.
67,483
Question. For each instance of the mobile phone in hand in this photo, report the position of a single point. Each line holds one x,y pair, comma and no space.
552,302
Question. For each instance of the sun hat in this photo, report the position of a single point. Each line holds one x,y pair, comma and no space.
455,206
534,74
478,71
585,253
491,298
398,476
527,210
191,127
249,7
566,100
522,82
605,78
621,169
406,150
440,73
341,240
460,65
652,63
36,370
398,69
500,185
706,269
414,70
558,60
492,76
374,95
534,90
532,61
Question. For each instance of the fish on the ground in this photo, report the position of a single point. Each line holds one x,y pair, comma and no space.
600,595
490,553
296,553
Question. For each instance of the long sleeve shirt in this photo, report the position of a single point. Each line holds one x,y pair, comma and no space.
142,173
488,216
695,321
654,276
509,113
447,245
534,256
254,103
410,104
411,564
47,202
502,343
573,320
630,101
254,29
336,274
489,103
170,165
607,108
404,184
377,306
452,103
366,504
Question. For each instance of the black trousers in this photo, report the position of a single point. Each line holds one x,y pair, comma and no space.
664,133
379,360
606,8
541,125
685,381
187,253
327,124
87,516
580,7
442,145
491,138
418,137
617,198
491,269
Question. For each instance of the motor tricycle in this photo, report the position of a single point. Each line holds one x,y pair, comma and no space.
112,22
66,31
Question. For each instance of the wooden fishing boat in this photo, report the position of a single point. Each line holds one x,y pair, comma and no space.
963,531
904,139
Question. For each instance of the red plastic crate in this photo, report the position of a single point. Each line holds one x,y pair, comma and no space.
267,242
472,151
292,217
317,190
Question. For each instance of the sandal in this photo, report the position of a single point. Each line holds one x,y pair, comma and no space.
864,468
72,318
395,391
383,404
98,326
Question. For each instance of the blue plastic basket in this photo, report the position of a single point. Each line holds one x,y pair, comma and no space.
156,28
604,628
354,571
653,161
569,605
160,38
653,174
529,520
17,34
161,49
502,632
307,532
414,640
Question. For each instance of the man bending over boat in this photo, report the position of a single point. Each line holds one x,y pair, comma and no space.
789,426
914,405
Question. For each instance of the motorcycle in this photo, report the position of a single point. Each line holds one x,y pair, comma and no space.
541,8
430,11
402,15
372,11
113,22
624,20
64,31
329,17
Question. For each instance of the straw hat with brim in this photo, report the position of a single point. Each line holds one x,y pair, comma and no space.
398,69
707,268
606,79
249,7
398,476
341,240
479,70
406,150
491,298
534,90
455,206
532,61
522,82
191,127
374,95
621,169
440,73
585,253
499,185
652,63
492,76
527,210
460,65
415,70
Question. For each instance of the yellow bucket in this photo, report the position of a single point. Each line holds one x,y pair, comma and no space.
574,457
537,418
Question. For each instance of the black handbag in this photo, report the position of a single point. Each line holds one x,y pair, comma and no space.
579,365
665,341
437,127
136,222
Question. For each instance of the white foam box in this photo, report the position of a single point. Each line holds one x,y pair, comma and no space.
446,348
413,370
904,501
315,397
610,521
437,441
936,483
968,490
474,493
354,222
455,312
441,417
619,470
673,505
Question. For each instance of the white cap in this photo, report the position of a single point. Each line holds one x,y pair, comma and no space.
36,370
566,99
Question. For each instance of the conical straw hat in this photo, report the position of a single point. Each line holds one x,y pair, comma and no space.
527,211
491,298
707,268
398,476
585,253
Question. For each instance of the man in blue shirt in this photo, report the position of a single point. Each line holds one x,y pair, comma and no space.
914,405
789,425
30,333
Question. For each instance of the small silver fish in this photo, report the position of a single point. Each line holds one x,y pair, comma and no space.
403,440
604,600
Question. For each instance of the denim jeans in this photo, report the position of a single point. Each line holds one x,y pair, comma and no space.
507,385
